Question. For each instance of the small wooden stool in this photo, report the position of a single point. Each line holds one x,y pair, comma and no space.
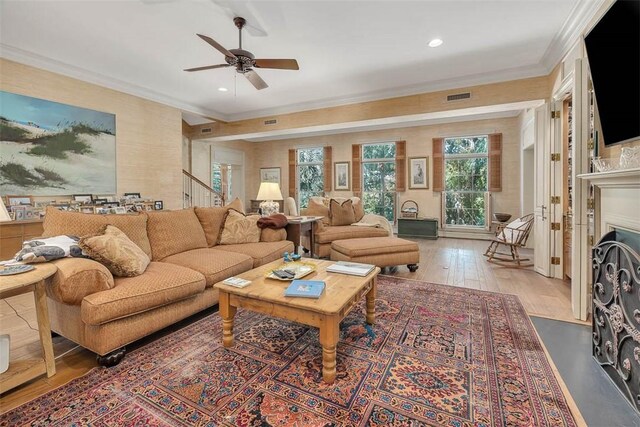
379,251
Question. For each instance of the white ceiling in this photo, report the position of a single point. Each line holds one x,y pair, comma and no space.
347,50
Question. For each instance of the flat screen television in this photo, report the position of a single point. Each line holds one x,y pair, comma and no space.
613,51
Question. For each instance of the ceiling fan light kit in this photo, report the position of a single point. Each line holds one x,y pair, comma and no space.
243,60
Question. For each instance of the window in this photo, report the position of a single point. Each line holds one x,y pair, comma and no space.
465,181
379,179
310,174
221,179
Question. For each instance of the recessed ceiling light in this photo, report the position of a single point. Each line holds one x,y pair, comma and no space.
435,42
223,89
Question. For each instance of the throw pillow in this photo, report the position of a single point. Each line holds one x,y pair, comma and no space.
358,208
341,213
212,219
116,251
315,208
48,249
238,228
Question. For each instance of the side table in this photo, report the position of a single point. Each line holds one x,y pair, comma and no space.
299,226
21,371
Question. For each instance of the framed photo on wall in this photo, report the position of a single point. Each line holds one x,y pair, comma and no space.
418,173
19,200
341,176
270,175
82,198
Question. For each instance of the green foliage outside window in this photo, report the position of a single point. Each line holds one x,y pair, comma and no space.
466,171
310,174
379,179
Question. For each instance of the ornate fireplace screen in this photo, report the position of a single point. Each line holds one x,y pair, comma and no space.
616,311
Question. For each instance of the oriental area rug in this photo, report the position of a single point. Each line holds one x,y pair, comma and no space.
436,356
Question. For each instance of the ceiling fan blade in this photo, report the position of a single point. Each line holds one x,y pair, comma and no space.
255,80
216,45
281,64
207,67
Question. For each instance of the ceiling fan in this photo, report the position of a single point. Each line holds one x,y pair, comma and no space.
244,61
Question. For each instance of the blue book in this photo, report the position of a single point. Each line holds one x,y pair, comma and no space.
305,288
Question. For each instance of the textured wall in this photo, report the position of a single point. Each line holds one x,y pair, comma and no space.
419,141
148,134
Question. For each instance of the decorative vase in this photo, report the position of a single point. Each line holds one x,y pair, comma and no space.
630,157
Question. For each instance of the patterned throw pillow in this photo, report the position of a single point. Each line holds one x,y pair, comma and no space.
341,213
238,228
50,248
116,251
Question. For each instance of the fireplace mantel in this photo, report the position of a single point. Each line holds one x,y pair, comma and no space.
617,201
621,178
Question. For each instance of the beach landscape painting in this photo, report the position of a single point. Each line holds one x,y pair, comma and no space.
48,148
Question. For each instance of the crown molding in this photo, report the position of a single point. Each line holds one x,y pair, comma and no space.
391,122
570,32
32,59
516,73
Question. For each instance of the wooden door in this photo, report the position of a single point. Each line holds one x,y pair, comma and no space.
542,173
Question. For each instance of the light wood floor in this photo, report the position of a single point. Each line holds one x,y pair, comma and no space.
456,262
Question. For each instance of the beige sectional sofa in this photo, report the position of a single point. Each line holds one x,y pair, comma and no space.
103,313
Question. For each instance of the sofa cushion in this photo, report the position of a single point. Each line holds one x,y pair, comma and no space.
116,251
57,222
161,284
341,213
76,278
215,264
239,228
271,235
374,246
212,219
262,252
331,233
171,232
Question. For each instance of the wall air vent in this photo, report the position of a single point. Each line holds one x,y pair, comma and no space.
206,130
271,122
458,96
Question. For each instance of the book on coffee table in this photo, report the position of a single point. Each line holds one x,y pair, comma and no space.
305,289
352,268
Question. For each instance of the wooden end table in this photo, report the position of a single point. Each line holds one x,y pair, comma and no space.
21,371
298,227
266,296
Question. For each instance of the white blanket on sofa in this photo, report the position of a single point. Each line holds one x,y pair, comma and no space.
373,220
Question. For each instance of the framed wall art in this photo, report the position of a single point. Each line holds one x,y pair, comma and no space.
341,176
418,173
270,175
41,139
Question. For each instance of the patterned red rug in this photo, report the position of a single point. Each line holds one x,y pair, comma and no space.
437,355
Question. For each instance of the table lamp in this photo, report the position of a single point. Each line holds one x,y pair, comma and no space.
268,192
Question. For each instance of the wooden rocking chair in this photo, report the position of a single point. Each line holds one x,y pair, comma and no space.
513,235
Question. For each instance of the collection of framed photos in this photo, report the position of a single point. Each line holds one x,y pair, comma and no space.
21,208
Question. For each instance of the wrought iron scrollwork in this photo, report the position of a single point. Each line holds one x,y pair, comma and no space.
616,314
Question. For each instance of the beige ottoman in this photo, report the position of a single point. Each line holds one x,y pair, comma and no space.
380,251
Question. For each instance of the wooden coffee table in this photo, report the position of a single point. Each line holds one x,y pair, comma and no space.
263,295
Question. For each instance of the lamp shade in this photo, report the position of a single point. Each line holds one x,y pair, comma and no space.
269,191
4,214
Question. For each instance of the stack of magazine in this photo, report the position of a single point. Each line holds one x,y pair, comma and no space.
352,268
